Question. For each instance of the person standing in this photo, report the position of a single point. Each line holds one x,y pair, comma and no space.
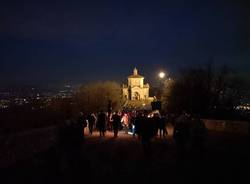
198,134
101,123
125,122
91,120
182,132
147,132
69,144
157,121
138,123
133,121
82,122
116,120
162,127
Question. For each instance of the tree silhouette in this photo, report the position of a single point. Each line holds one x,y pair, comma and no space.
99,96
203,91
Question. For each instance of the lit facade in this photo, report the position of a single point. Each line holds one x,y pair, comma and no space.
136,89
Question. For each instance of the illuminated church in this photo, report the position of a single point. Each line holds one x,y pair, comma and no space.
136,89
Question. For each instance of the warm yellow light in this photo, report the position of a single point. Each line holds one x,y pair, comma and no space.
162,75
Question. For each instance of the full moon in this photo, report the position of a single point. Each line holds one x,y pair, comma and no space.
162,75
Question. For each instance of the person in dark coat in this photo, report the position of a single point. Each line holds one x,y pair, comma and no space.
82,122
156,120
182,132
101,123
116,120
147,132
69,145
162,126
91,120
198,133
133,122
138,122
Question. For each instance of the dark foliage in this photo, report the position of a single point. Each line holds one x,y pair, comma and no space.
205,92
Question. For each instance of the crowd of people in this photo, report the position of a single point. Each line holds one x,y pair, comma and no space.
142,124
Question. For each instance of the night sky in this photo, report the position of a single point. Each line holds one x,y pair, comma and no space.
76,41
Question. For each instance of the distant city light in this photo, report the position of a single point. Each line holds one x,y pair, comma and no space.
243,107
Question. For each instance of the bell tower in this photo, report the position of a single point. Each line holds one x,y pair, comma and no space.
135,71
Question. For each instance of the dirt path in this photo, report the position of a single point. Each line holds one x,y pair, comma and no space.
122,160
